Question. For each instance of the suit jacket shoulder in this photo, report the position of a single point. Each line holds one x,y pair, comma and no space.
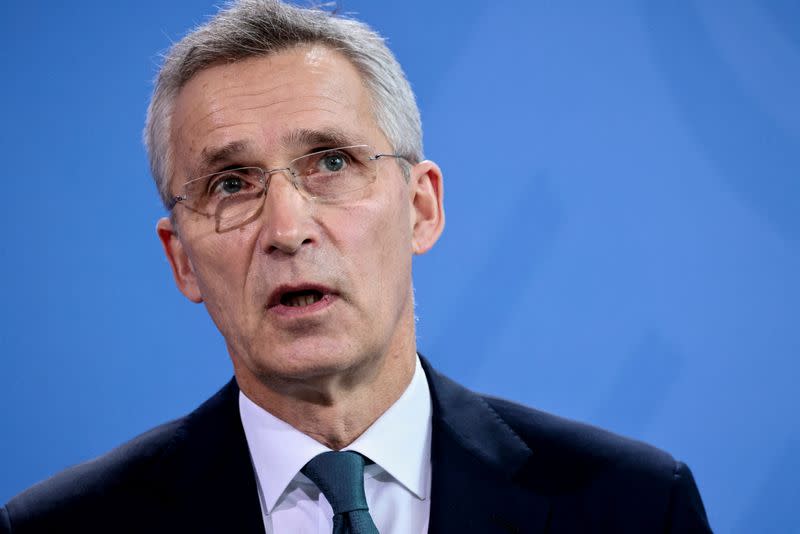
97,488
577,451
152,483
537,472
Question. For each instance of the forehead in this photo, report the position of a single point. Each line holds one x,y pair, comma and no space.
267,106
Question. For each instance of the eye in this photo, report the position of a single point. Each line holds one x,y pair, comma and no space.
333,162
231,183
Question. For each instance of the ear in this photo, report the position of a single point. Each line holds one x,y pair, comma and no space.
427,197
182,268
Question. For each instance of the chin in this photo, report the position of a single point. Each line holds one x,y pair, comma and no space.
305,361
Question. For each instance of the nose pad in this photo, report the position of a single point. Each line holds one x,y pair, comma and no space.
289,176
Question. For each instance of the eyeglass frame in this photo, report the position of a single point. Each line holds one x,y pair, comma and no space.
266,173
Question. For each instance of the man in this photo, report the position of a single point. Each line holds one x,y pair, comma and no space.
287,146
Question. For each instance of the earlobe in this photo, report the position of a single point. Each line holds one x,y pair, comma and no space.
179,261
427,190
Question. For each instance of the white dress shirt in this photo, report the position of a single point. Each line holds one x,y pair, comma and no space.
397,485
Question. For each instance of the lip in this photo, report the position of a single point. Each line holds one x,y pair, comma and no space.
274,303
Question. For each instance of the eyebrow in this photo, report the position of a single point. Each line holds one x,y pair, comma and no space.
329,137
213,156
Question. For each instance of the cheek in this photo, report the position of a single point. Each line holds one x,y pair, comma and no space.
378,229
375,239
221,262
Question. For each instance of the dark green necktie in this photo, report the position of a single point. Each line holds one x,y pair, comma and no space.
340,477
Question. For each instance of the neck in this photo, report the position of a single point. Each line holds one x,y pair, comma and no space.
334,410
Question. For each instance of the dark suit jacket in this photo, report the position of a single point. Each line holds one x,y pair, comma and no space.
497,467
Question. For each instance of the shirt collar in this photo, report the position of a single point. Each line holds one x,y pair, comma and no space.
399,441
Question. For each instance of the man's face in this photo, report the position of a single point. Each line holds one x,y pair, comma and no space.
356,256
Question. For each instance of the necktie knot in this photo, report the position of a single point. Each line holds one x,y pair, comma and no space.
340,477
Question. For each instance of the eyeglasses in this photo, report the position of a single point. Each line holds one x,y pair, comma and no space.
235,197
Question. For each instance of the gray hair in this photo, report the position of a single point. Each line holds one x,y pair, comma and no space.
248,28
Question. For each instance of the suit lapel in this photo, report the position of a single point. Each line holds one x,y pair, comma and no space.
214,486
475,459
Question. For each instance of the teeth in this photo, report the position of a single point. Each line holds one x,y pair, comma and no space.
302,300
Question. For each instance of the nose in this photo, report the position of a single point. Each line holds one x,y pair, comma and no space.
287,222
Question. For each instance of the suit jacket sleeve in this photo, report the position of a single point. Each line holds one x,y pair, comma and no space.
687,513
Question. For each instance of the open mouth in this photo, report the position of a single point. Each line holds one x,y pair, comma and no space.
305,297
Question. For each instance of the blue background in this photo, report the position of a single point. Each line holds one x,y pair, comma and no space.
623,238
